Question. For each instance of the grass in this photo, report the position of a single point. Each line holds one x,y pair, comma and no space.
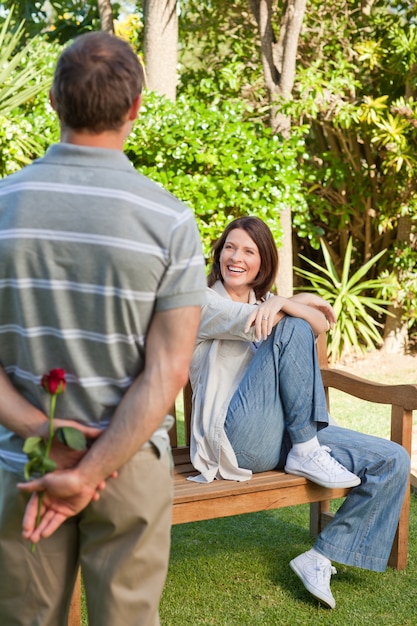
373,419
234,571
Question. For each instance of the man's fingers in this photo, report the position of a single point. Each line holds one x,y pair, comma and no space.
35,533
29,518
49,524
89,431
31,486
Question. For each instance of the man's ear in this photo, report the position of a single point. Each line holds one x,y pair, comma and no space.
51,100
134,109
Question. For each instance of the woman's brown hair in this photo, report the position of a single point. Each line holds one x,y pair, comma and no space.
259,232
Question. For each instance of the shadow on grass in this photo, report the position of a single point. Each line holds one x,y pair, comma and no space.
235,572
270,538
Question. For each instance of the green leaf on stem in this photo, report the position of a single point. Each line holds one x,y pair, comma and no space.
34,447
72,438
48,465
33,468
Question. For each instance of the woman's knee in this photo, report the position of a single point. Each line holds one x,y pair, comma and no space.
391,460
401,460
294,329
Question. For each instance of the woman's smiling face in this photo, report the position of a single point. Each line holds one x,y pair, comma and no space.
240,262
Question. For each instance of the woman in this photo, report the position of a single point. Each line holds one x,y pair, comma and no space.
254,373
259,404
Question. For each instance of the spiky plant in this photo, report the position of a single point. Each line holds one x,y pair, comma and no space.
23,75
356,329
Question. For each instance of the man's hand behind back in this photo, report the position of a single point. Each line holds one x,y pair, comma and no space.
65,495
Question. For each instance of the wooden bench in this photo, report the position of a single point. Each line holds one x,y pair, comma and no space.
272,490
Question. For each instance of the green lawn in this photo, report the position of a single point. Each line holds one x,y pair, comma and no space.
234,572
366,417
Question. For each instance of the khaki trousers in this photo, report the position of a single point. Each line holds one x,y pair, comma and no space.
122,543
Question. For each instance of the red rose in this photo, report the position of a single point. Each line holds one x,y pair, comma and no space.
35,447
54,382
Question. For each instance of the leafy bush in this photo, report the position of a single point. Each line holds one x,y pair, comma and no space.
401,282
214,160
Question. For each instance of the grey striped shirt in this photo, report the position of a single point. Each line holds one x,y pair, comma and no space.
89,249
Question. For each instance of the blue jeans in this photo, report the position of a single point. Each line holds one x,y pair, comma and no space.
363,529
280,401
281,393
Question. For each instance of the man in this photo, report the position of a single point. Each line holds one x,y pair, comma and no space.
102,275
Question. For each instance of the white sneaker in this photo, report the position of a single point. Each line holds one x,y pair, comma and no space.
320,467
315,574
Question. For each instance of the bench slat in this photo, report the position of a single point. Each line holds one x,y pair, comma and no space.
237,503
222,498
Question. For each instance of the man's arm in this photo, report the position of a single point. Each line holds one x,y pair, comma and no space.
21,417
169,347
16,413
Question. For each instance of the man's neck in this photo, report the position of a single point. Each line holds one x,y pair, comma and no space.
112,140
102,140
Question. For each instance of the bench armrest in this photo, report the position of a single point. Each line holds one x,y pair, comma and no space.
401,395
401,398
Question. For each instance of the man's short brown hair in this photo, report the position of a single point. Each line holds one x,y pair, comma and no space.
96,81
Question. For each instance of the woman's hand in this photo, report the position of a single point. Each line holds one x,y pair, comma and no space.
315,301
308,306
266,316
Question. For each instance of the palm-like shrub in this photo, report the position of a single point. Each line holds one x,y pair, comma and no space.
21,77
23,74
356,330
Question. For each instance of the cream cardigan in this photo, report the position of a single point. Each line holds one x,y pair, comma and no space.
221,357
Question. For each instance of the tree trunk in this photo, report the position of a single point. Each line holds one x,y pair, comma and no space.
284,281
279,63
395,332
279,56
395,328
106,16
161,46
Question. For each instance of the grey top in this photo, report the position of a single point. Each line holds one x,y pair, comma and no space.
221,358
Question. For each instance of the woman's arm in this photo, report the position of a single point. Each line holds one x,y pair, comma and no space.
223,318
318,313
315,301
